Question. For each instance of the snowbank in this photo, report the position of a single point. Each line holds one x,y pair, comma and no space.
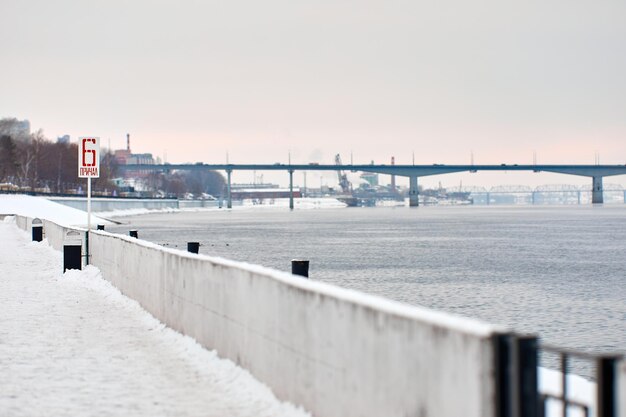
136,212
42,208
579,390
279,203
299,203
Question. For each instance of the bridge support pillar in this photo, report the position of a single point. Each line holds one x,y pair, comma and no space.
413,192
596,192
229,197
290,189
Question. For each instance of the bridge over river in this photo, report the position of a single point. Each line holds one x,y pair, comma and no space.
413,172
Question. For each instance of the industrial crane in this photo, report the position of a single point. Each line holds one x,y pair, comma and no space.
342,177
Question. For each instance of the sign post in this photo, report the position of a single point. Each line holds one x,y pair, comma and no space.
88,167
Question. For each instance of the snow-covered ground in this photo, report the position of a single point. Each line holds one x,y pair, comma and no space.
282,203
29,206
67,216
298,203
579,390
140,211
73,345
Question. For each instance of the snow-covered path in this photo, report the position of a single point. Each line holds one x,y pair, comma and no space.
72,345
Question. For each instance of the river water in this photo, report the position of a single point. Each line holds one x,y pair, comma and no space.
559,271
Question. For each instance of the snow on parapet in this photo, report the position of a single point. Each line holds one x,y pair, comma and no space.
29,206
279,203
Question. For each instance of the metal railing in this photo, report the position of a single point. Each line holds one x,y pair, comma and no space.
605,378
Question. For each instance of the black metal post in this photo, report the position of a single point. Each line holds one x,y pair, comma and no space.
503,372
528,386
564,363
37,233
607,386
37,230
87,247
72,257
193,247
300,267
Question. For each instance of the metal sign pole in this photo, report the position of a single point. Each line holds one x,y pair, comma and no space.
88,218
89,203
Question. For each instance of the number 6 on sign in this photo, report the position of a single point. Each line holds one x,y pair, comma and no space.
88,157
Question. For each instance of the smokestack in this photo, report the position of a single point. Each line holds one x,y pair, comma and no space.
128,142
393,177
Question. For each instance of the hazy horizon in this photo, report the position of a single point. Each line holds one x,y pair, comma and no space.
196,80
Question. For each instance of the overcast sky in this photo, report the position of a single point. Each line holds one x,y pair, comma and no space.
257,79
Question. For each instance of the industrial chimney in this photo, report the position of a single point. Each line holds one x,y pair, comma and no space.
128,142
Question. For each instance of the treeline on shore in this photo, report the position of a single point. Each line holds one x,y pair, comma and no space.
30,162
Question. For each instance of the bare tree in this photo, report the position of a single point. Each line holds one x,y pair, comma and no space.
8,159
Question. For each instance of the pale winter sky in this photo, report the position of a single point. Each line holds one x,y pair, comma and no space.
257,79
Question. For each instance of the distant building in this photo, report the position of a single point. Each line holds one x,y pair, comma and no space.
140,158
126,157
371,178
256,185
65,139
122,156
263,193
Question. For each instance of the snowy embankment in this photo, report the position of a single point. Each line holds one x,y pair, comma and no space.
140,211
72,345
279,203
299,203
29,206
68,216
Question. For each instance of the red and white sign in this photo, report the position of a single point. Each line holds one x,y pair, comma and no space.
88,157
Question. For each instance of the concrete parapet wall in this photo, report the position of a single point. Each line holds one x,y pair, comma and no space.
197,203
334,351
112,204
55,234
23,222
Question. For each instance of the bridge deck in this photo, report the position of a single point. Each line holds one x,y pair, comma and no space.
401,170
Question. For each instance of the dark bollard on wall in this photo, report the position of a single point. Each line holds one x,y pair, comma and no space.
37,226
193,247
72,251
300,267
72,257
134,233
100,227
